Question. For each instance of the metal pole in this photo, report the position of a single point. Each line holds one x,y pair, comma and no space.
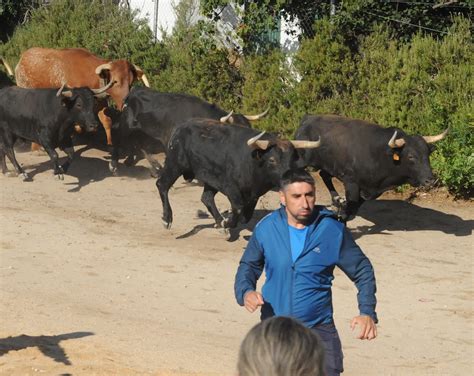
155,21
332,10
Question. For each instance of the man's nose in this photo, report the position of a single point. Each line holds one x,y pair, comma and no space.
305,203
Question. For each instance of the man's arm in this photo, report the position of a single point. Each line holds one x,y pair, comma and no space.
250,268
358,268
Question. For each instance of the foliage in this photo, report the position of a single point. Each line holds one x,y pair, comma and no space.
325,67
12,13
353,19
269,84
198,64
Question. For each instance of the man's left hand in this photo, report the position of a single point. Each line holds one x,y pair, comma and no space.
368,329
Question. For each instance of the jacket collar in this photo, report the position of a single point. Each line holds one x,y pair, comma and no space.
319,213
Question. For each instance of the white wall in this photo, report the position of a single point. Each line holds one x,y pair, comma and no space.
167,19
166,16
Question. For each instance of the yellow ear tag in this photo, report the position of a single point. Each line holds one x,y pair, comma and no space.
396,157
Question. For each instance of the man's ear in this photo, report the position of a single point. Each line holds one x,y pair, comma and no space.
282,198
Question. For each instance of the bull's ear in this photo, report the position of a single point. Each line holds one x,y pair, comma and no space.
258,154
65,101
68,101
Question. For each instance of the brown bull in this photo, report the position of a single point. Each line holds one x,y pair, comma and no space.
77,67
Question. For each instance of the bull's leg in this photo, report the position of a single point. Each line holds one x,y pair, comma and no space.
35,147
58,170
3,162
114,157
107,124
337,200
207,199
11,156
69,150
237,205
354,201
164,183
249,209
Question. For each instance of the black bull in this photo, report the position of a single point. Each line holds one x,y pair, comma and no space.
44,116
365,157
150,116
234,160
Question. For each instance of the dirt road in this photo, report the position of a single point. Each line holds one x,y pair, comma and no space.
92,284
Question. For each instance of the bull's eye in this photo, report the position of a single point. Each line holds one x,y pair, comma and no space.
79,105
411,157
272,160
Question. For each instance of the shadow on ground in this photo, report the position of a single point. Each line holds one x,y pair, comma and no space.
398,215
48,345
234,233
88,170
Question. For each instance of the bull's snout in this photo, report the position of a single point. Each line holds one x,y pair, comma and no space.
92,127
428,182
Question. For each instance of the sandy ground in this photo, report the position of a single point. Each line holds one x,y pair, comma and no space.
92,284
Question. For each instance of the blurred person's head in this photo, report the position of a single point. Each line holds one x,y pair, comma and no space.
281,346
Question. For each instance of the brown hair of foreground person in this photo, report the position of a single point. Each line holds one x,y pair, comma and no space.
281,346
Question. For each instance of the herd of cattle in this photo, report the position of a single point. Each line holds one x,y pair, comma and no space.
62,91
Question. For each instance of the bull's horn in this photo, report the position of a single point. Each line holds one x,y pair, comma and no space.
224,119
7,67
303,144
259,116
141,76
103,88
102,67
60,89
255,142
64,93
394,143
145,80
431,139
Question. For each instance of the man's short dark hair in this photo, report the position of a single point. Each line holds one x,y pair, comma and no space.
297,175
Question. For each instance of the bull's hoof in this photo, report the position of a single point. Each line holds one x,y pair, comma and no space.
225,231
154,173
130,161
113,168
24,176
64,167
339,201
166,225
59,176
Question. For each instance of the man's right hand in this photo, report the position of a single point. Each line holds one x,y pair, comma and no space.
252,300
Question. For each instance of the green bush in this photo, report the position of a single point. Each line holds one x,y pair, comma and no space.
198,66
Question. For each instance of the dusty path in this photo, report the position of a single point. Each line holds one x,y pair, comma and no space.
91,283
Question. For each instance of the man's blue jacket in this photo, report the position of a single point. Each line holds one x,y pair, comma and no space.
302,289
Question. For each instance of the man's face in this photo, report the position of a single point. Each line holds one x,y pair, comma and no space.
298,199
